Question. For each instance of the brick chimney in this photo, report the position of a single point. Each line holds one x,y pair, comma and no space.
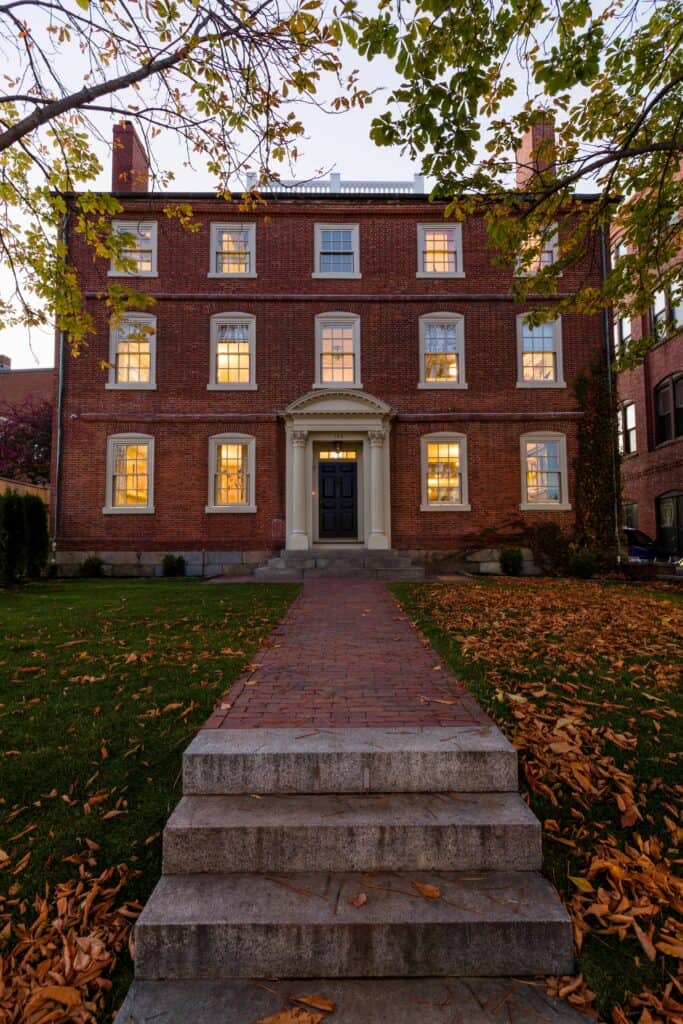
130,162
5,364
531,162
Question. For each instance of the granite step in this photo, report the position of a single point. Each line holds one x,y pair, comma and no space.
362,832
357,1001
465,759
303,925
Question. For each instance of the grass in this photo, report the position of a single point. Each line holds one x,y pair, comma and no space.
585,679
102,685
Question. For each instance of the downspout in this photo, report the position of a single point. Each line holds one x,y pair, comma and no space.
610,390
60,388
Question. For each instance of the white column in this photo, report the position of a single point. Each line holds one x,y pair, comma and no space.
377,537
298,537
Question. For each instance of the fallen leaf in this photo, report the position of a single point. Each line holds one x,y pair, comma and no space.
430,892
359,900
317,1002
293,1015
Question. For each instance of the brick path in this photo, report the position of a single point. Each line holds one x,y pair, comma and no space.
346,655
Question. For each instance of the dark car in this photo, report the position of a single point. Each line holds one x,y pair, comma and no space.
642,548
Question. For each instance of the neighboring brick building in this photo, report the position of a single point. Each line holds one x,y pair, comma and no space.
651,425
342,365
18,386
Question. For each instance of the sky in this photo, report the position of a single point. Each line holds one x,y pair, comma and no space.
338,142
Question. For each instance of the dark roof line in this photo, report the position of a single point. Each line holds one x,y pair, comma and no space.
332,197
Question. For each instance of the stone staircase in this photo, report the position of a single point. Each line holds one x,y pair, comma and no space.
393,872
359,563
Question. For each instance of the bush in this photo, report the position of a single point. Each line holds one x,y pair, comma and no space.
173,565
511,561
584,564
12,537
550,547
36,535
91,568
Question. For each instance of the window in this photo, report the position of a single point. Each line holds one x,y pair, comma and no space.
544,471
442,351
669,409
631,514
130,465
140,248
444,473
618,250
539,354
626,427
666,313
337,251
231,473
132,352
233,352
621,332
439,250
538,253
337,356
233,250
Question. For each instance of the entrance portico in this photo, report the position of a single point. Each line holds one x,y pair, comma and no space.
350,427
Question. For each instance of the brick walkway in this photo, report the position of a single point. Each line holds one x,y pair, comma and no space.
346,655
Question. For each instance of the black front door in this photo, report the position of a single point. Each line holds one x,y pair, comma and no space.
337,500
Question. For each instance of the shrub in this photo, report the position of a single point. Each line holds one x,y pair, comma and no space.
584,564
35,534
511,561
550,547
12,537
173,565
91,568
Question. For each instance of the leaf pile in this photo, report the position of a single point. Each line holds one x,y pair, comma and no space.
586,680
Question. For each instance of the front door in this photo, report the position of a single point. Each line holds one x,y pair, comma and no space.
670,522
338,500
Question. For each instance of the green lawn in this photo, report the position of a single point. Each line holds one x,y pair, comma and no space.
102,685
585,679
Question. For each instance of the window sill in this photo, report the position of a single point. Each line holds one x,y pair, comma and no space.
229,509
231,387
251,274
625,456
546,506
445,385
445,508
128,510
336,385
111,386
535,384
128,273
340,277
435,275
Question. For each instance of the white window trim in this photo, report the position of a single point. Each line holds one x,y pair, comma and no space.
136,510
131,226
232,318
554,244
355,238
320,321
438,226
248,226
151,385
557,334
464,505
563,505
433,385
250,441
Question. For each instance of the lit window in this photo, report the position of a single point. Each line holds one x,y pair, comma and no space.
626,426
140,249
539,354
130,459
444,472
442,351
132,350
621,333
669,409
233,352
334,454
231,473
538,253
544,471
439,250
337,250
337,350
233,250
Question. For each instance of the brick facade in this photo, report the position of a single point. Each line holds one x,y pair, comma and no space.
284,297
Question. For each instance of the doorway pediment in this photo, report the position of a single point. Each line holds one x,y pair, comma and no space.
333,403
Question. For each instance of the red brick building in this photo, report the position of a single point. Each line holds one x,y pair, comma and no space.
651,425
341,366
17,386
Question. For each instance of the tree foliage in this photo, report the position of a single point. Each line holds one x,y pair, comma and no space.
25,441
476,75
222,76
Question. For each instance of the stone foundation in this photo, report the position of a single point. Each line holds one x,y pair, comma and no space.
149,563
